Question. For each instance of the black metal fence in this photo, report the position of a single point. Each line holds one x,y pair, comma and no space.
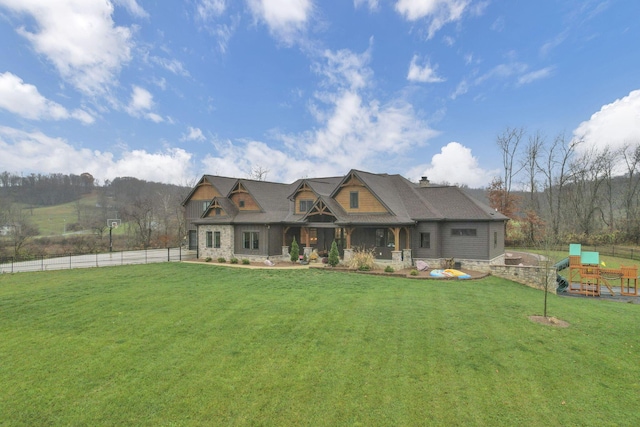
617,251
105,259
607,250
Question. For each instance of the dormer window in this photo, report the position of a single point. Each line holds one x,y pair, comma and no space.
241,203
218,211
305,205
353,200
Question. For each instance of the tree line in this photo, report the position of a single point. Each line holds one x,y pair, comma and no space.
44,190
150,214
563,189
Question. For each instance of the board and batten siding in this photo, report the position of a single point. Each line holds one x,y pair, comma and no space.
466,247
496,239
434,250
194,210
270,240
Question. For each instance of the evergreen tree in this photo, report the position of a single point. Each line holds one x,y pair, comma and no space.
295,250
334,255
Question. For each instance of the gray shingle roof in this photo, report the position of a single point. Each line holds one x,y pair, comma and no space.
406,201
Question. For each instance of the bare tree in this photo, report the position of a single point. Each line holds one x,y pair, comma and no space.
139,212
608,161
20,228
630,155
259,173
508,142
529,164
554,166
588,174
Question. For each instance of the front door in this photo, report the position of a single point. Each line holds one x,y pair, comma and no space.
384,243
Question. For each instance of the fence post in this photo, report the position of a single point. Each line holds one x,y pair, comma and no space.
12,259
121,257
42,262
145,255
168,254
97,260
180,253
69,261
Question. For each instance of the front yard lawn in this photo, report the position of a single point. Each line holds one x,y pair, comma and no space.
196,344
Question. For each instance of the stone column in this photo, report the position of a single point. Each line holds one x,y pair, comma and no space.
348,255
396,257
285,252
406,256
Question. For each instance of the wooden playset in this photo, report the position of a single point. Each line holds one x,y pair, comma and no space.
587,275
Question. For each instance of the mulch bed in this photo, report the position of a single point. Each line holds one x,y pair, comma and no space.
549,321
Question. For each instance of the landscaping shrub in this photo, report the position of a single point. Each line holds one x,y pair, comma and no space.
207,259
245,261
222,259
294,253
414,272
334,255
388,269
363,259
233,260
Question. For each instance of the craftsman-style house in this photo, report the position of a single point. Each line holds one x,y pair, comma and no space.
401,220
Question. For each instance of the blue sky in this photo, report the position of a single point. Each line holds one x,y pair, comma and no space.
169,90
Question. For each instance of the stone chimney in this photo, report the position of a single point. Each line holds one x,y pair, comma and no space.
424,182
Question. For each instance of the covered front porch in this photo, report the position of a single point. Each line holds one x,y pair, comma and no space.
386,243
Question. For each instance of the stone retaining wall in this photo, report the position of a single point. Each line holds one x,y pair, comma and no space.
532,276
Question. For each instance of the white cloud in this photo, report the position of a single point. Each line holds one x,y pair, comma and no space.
26,101
615,125
193,134
210,15
513,73
208,9
439,12
36,152
141,99
345,69
455,164
141,103
461,89
239,158
286,19
372,4
354,130
503,71
172,65
79,38
423,74
133,7
542,73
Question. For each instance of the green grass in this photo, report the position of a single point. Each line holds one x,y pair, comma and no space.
199,344
52,220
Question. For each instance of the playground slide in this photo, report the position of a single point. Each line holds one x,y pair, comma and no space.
561,265
562,283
